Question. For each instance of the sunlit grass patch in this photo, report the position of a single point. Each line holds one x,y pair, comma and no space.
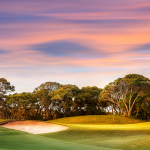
137,126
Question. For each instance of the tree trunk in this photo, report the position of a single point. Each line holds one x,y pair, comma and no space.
137,112
129,113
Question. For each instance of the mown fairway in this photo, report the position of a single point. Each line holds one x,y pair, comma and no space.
81,136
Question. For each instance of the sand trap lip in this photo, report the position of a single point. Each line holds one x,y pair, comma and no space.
35,127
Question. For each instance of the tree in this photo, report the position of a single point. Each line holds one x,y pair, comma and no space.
48,86
21,106
141,108
44,106
5,88
125,92
62,98
88,97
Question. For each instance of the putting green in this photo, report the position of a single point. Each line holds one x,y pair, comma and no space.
125,137
125,134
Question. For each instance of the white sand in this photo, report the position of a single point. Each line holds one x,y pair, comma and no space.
35,127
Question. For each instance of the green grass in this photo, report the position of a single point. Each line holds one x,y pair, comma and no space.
81,136
96,119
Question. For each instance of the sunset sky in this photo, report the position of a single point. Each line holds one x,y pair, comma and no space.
81,42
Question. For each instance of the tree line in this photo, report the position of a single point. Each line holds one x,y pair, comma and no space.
128,96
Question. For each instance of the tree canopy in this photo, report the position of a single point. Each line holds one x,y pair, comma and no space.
126,92
129,96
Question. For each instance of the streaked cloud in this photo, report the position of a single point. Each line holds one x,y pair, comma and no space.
83,42
2,51
143,48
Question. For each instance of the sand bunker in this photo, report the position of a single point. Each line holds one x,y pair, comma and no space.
35,127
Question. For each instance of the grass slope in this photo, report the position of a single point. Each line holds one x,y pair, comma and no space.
96,119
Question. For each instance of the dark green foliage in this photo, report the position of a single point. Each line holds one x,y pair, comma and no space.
90,110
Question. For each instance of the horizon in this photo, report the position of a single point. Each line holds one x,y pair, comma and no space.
83,42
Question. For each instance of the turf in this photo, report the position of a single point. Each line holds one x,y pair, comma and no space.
96,119
81,136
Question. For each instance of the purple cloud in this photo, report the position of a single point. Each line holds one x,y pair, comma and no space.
142,48
66,48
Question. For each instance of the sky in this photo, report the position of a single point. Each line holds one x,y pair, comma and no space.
81,42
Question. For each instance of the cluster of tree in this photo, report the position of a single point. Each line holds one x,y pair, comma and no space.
51,100
129,96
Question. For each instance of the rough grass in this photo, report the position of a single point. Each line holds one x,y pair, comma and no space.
1,120
96,119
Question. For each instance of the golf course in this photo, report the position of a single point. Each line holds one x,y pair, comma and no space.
91,132
74,74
